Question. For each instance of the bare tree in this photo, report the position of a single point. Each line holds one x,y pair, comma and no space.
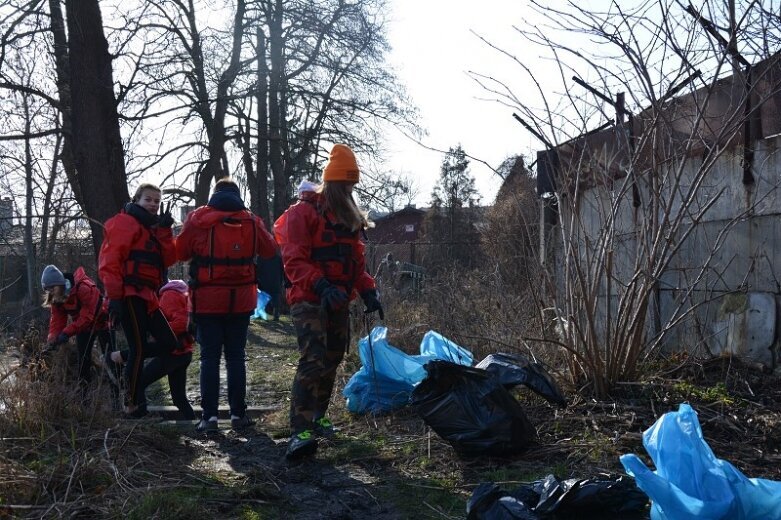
649,190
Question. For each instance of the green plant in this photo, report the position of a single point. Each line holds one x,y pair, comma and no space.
717,393
170,504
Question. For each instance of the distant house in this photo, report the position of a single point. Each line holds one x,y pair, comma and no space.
396,233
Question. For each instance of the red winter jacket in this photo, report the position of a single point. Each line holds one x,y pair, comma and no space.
133,257
313,247
220,248
85,306
175,306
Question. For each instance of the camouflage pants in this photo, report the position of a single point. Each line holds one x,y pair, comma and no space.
323,336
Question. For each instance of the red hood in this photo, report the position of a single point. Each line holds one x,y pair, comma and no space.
206,216
79,275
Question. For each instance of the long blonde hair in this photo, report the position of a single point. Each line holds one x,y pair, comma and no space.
54,296
338,200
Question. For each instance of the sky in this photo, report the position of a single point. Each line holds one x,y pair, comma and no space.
433,49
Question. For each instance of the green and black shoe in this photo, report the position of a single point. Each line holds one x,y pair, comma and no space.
302,444
324,428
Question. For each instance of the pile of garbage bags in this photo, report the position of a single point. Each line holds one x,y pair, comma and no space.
470,407
387,376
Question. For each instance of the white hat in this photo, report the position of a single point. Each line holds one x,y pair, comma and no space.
306,186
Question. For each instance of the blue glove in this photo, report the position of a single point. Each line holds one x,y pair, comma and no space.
331,296
165,220
372,302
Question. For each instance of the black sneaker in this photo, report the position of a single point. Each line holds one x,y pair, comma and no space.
324,428
301,444
206,426
241,423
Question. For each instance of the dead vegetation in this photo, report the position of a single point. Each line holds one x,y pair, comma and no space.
62,458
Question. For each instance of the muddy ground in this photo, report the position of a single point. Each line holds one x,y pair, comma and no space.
378,467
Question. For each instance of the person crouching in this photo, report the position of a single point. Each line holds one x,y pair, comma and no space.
78,310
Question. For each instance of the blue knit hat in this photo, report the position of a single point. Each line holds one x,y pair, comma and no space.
52,277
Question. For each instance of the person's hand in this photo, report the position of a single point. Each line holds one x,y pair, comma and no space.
331,296
114,311
165,220
372,303
56,342
59,340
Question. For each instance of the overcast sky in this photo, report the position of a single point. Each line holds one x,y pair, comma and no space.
433,49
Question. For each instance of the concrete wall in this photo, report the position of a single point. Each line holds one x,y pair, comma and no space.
733,247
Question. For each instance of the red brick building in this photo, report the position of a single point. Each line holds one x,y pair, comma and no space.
395,233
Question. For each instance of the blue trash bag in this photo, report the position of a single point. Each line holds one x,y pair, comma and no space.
388,375
436,346
691,483
375,393
260,309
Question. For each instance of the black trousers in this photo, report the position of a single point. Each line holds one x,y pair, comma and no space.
84,342
161,364
138,325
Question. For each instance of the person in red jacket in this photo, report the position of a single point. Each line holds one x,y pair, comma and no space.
137,248
221,240
324,261
175,305
77,309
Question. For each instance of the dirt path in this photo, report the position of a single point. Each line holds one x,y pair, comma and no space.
309,489
320,488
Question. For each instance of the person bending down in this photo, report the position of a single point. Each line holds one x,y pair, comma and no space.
78,310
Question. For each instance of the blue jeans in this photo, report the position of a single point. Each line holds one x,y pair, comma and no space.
214,334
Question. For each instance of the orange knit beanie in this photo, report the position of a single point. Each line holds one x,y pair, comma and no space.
341,166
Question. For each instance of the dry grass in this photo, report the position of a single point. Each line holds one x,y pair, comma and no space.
63,445
63,459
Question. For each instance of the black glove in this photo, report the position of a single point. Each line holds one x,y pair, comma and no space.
331,296
114,311
165,220
59,340
372,303
192,328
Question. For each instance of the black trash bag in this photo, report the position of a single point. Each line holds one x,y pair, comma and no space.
617,495
469,408
490,502
515,369
603,497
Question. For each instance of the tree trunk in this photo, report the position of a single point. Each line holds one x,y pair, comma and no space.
29,245
63,91
97,143
262,146
276,52
47,248
217,162
245,142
